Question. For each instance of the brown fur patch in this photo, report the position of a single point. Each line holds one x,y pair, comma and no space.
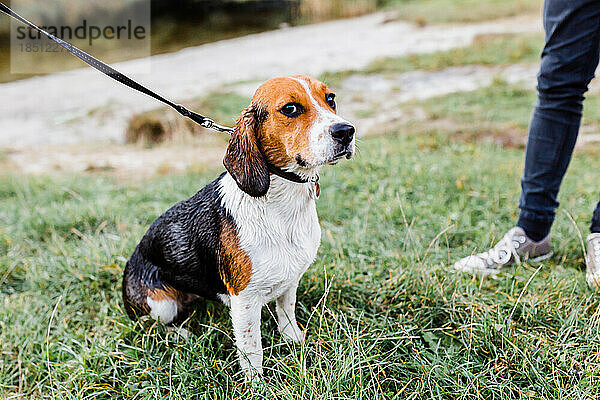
167,293
235,267
244,159
283,139
264,135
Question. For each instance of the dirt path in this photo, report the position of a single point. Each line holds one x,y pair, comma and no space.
83,106
77,119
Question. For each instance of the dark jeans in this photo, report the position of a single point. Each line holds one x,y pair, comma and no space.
569,60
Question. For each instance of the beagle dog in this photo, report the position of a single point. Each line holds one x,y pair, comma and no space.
248,236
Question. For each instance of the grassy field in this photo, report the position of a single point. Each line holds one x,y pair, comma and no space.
488,50
500,102
386,317
442,11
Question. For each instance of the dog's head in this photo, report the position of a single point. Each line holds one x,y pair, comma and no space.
291,124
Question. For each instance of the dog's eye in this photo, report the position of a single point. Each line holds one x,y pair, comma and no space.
292,110
331,100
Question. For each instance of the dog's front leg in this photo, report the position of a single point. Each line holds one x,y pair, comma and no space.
286,315
245,316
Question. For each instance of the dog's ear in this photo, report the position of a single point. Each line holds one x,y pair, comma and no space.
244,159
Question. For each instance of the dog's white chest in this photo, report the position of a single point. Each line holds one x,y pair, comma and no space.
280,233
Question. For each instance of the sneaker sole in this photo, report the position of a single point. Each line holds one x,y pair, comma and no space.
495,271
592,275
541,258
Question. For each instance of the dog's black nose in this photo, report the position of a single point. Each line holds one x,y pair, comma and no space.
342,132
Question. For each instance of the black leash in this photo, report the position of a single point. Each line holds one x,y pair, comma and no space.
116,75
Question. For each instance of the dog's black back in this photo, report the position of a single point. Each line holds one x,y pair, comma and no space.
179,251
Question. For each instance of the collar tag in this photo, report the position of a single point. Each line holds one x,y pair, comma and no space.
317,190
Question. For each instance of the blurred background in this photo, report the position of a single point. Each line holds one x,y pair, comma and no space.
184,23
211,54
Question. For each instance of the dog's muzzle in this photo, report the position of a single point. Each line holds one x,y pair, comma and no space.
343,136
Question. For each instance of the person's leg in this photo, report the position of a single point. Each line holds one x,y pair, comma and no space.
569,60
595,228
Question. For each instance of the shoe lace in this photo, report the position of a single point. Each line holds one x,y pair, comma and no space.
595,250
505,249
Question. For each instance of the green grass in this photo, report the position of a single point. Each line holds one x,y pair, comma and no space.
501,49
386,318
498,103
443,11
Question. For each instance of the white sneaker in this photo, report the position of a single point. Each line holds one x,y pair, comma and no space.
513,246
592,275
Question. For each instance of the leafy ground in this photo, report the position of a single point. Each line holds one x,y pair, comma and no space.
386,317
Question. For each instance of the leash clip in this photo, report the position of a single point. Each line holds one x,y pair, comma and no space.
208,124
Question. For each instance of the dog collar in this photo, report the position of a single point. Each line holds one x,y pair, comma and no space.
290,176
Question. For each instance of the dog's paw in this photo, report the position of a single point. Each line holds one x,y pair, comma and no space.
180,333
292,333
253,377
